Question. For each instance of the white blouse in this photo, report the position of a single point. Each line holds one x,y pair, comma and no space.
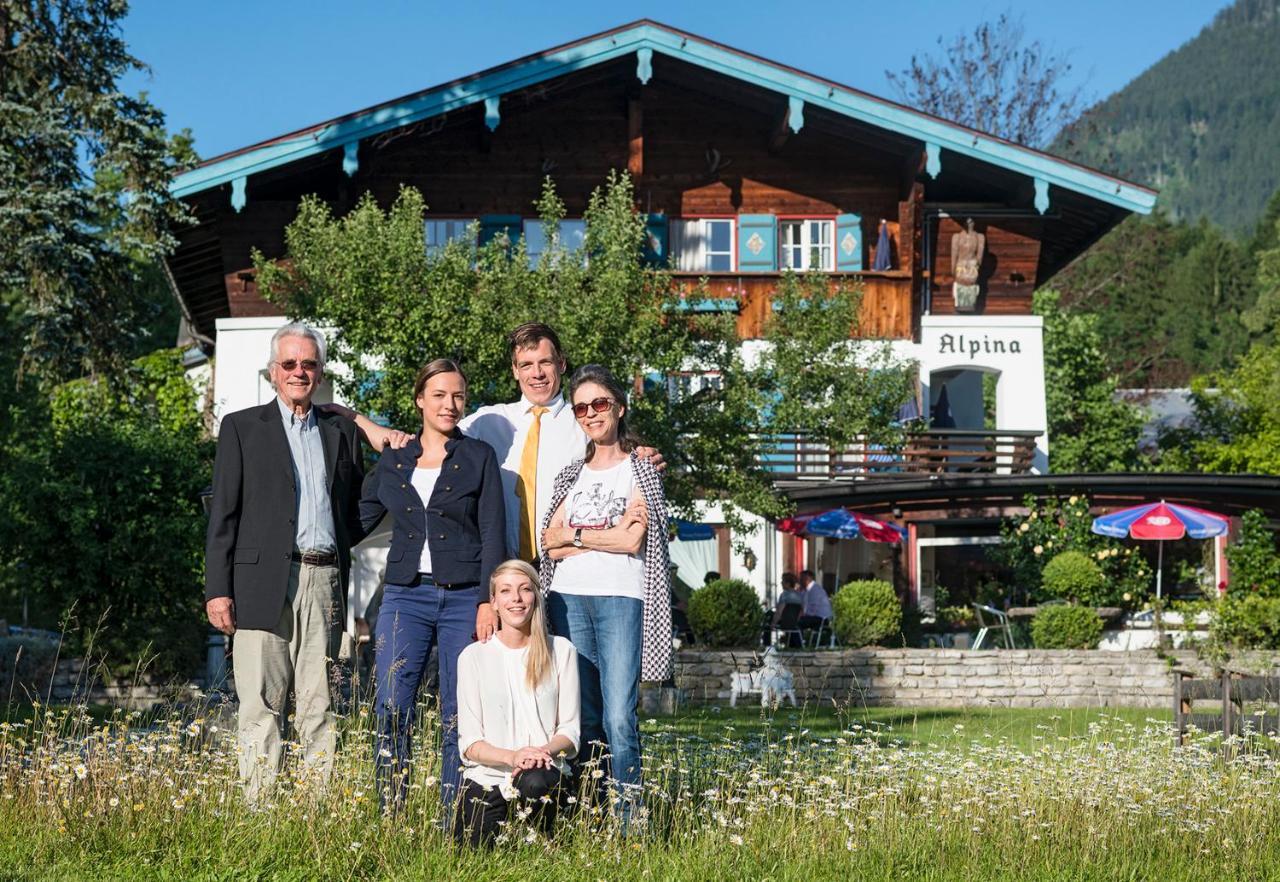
495,705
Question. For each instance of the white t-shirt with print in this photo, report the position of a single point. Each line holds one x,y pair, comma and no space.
597,501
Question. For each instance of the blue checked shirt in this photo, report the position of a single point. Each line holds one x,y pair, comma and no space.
315,530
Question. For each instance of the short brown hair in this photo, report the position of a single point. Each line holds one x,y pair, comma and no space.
430,369
527,336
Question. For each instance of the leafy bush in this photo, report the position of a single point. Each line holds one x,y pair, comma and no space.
1249,622
866,613
1255,565
101,524
1072,575
725,613
1055,525
1066,627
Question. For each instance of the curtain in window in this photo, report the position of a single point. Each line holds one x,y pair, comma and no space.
688,245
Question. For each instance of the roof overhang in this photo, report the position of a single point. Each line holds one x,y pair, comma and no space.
644,39
1228,494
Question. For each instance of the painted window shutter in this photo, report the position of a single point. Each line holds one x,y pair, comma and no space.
656,241
848,243
492,225
757,243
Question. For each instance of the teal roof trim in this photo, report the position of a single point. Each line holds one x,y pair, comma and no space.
797,86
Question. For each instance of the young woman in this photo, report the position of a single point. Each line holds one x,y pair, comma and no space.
606,567
444,493
518,711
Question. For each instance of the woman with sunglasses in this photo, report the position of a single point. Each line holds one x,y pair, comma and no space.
444,493
605,567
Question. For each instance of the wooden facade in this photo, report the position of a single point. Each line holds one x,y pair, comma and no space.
699,143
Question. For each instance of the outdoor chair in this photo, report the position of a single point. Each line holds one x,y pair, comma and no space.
991,619
816,635
788,627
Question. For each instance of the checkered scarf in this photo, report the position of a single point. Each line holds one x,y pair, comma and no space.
655,651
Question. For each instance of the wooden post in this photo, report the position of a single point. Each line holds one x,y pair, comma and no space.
1227,725
635,139
1180,709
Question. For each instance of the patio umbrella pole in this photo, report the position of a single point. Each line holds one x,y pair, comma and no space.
1159,566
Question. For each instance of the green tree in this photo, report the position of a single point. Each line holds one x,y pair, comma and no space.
100,518
1253,559
391,307
1237,420
1264,315
1052,526
1089,430
1171,299
84,174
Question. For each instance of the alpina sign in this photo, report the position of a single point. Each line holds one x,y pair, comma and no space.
972,346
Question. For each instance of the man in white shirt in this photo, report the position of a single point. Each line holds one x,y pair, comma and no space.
538,366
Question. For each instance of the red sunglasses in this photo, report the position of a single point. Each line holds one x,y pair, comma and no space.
599,405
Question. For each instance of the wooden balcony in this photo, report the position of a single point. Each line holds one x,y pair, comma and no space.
935,452
886,300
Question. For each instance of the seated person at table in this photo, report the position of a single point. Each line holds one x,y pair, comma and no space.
518,712
790,596
817,605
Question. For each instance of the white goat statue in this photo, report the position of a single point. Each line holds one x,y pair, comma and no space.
772,679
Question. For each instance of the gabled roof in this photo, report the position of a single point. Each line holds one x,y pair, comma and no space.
643,39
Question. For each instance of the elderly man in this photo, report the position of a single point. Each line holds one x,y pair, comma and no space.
817,605
284,515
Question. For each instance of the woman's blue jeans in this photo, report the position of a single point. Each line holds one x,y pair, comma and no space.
411,620
606,631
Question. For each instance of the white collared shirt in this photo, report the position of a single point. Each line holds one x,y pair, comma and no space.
504,427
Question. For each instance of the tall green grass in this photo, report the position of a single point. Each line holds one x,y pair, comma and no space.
790,796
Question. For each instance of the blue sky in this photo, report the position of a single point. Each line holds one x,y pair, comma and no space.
236,72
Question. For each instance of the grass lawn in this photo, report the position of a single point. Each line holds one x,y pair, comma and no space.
1023,728
809,794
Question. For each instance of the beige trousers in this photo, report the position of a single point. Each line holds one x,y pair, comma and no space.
297,654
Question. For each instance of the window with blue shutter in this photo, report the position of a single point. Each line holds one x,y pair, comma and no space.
494,225
848,243
656,241
757,243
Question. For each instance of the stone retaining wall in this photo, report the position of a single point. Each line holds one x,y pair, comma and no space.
72,683
959,678
909,677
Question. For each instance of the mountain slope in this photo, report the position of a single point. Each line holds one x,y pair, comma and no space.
1202,124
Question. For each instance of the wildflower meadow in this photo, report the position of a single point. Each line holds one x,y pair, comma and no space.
801,795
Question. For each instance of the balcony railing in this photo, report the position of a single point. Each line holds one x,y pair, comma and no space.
935,452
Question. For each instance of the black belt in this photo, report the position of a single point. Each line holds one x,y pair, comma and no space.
446,586
316,558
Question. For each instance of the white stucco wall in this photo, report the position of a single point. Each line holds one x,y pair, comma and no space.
1010,346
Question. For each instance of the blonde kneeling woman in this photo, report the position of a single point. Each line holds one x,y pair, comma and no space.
518,711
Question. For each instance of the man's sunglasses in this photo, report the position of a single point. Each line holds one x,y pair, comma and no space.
599,405
290,364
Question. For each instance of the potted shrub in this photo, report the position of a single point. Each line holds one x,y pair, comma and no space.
1074,576
725,614
866,613
1066,626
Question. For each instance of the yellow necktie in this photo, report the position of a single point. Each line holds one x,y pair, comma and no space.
527,488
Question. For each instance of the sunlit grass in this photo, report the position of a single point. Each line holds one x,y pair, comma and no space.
814,793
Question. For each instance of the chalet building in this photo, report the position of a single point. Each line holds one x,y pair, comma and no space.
745,169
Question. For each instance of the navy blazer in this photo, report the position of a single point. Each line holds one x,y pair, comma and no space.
464,522
249,546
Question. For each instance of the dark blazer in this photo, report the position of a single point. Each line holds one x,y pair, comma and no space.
464,522
251,521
